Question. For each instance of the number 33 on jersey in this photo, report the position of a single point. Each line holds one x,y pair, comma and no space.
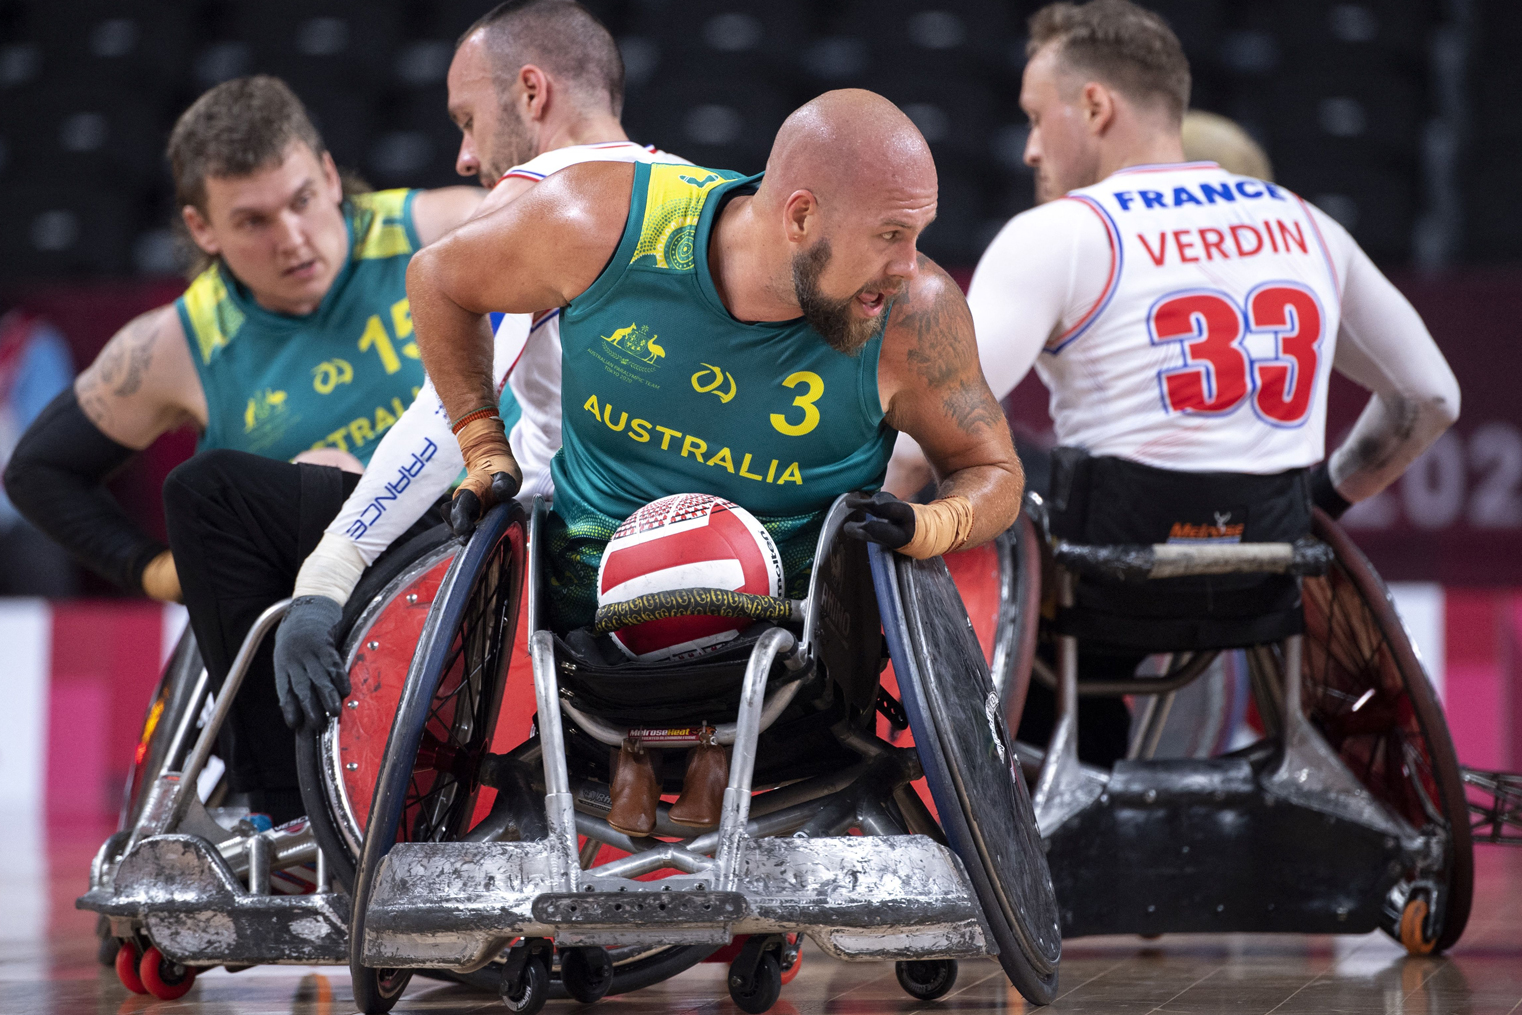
1210,344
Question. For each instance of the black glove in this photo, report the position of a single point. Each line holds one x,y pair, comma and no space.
880,518
309,674
1324,495
465,509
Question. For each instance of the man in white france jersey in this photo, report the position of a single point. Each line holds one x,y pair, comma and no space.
1186,321
1183,317
559,122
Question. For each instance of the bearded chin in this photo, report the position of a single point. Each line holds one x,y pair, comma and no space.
833,319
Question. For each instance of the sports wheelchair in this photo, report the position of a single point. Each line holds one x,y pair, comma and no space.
186,885
542,875
1345,813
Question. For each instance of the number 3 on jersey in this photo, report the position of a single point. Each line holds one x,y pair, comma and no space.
1218,373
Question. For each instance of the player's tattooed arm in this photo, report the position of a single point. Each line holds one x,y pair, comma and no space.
143,383
933,389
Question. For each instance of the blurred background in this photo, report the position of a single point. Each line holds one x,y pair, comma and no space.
1400,118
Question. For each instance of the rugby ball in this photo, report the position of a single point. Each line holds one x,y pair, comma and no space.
686,541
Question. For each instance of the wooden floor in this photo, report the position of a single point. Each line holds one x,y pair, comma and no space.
47,967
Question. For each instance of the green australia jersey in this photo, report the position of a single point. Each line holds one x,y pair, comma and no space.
338,377
663,391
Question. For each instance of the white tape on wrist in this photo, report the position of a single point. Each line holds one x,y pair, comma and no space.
332,569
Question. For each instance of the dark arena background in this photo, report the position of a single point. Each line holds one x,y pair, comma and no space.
1401,119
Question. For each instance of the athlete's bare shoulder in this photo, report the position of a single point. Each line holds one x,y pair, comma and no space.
542,249
143,383
930,354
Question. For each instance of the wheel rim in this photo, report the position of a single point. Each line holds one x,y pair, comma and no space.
1366,692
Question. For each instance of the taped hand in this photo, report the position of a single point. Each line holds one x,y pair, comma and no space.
309,674
491,473
880,518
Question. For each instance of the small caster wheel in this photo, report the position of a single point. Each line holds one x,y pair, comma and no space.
586,972
1418,932
762,991
792,958
164,978
127,959
927,979
532,987
376,991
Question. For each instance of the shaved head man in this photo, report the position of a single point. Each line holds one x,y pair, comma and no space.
802,285
854,161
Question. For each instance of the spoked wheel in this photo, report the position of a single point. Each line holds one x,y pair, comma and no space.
1366,692
444,720
964,747
381,626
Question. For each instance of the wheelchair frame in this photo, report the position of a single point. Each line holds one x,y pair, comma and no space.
458,905
1281,836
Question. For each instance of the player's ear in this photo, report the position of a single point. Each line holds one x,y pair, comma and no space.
800,216
535,90
330,178
200,230
1098,105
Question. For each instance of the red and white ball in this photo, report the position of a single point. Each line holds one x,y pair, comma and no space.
686,541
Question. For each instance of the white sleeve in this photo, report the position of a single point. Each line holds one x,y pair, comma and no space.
1383,345
413,466
1044,270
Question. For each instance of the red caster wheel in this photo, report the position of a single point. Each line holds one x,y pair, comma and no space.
126,967
164,979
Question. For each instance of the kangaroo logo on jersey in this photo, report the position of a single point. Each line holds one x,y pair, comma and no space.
261,407
712,379
637,341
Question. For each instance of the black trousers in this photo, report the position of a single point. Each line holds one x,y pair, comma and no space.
240,526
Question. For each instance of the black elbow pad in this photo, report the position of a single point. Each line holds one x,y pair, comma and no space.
56,479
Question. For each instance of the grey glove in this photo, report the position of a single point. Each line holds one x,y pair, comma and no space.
309,674
880,518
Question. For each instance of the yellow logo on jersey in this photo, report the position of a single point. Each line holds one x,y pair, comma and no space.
330,374
637,341
702,385
261,407
692,446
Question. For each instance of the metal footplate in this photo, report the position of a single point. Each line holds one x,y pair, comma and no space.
641,909
457,904
195,909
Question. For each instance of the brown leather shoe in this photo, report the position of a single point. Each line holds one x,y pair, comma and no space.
634,789
702,799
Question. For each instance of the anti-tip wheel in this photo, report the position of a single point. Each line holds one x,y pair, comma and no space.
926,979
532,989
1417,933
127,959
586,972
762,991
164,978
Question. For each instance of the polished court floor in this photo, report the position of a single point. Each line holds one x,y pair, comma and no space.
47,967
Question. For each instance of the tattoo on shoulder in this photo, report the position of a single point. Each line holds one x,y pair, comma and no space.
125,360
942,352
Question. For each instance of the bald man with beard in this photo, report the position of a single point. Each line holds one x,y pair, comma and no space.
801,285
